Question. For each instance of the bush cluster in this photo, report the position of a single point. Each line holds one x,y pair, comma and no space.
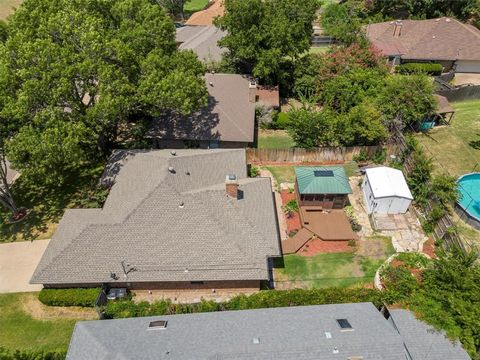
31,355
69,297
263,299
420,68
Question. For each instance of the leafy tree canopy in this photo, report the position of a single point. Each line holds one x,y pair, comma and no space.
406,99
72,72
263,34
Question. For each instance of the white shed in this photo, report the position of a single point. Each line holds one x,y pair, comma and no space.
386,191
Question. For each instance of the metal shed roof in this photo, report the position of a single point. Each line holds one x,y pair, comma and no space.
322,180
387,182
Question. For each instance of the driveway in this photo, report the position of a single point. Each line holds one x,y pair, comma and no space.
18,261
467,78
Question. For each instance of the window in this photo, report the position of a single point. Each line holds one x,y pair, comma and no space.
344,324
196,282
323,173
157,324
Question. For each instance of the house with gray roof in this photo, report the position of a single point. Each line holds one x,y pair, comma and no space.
173,219
327,332
228,120
202,40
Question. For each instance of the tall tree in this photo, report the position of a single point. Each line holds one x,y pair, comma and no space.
92,64
262,34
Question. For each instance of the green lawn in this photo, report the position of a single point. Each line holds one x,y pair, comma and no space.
195,5
19,330
337,269
456,148
274,139
286,173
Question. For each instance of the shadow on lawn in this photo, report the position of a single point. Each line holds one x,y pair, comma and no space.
47,205
475,143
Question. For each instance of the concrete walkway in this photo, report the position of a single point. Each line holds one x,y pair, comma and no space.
18,261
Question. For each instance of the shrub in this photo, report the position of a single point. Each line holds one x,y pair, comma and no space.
413,260
31,355
423,68
69,297
262,299
281,121
253,171
352,218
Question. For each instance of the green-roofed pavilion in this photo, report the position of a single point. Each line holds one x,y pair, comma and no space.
324,186
322,180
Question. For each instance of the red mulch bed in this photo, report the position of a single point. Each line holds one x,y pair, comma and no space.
429,248
318,246
293,222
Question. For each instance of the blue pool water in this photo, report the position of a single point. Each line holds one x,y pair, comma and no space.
469,189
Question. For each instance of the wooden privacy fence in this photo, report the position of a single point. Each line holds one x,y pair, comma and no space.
324,154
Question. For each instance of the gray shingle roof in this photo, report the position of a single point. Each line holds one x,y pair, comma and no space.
203,40
283,333
422,341
213,236
229,115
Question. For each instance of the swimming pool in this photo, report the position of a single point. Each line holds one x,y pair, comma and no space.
469,202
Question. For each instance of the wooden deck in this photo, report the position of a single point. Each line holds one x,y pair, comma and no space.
293,244
327,225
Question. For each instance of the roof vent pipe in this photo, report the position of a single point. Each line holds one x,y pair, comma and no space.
171,170
173,153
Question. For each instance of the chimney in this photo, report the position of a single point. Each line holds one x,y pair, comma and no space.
397,30
231,186
252,91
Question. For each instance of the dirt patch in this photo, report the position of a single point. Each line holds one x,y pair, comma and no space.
32,306
371,248
429,248
318,246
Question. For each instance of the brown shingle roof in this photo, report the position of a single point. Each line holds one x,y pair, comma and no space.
268,96
206,17
229,116
433,39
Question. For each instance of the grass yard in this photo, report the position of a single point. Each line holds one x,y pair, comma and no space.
319,49
6,7
336,269
274,139
456,148
195,5
48,330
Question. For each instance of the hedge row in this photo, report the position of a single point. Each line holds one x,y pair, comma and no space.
69,297
424,68
263,299
31,355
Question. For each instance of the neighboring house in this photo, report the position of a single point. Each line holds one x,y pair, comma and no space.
324,186
385,191
207,16
328,332
228,121
173,220
203,40
444,40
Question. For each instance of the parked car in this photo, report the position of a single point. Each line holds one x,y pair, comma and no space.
117,293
